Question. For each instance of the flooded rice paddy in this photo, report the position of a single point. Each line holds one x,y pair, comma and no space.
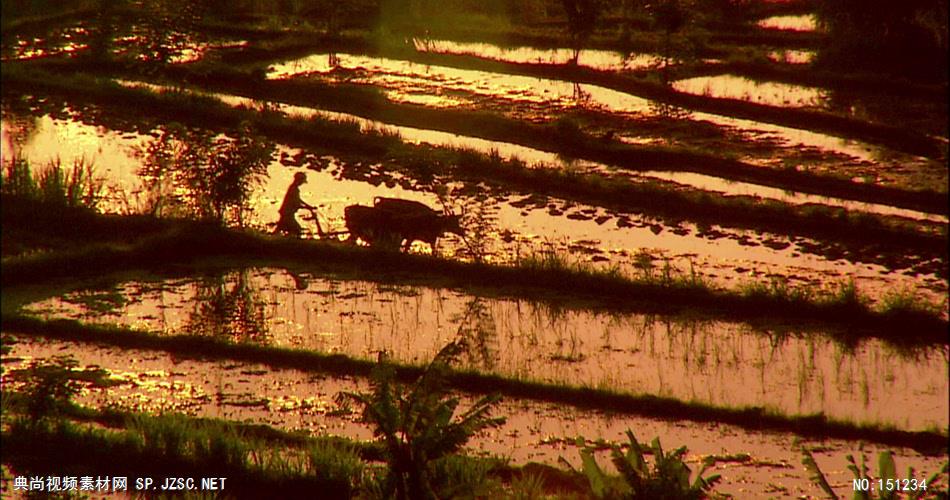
544,159
785,369
792,56
792,23
445,87
542,100
789,370
83,38
116,153
524,224
738,188
597,59
534,431
746,89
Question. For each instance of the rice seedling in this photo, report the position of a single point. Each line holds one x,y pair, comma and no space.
337,465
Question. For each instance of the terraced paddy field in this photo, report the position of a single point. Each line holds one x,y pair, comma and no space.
707,233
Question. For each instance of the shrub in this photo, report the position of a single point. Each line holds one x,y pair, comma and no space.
668,478
417,426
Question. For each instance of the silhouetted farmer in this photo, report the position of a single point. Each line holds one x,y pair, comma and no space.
288,223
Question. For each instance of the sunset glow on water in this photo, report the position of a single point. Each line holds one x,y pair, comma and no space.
265,242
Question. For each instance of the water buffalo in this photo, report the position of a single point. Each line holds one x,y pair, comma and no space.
371,225
394,222
403,207
418,221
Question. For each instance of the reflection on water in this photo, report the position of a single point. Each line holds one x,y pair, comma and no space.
688,359
408,134
56,41
210,176
534,431
530,98
795,23
522,226
736,188
794,137
737,87
229,307
443,87
539,158
792,56
141,42
597,59
49,139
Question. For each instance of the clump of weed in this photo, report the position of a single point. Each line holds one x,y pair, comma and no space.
389,134
165,435
886,484
176,445
527,487
337,465
667,275
17,179
906,301
73,186
568,131
465,477
847,296
776,290
545,261
668,477
218,449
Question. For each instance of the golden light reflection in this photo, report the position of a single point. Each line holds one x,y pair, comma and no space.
737,87
530,229
794,23
564,93
736,188
534,431
59,41
597,59
794,137
782,136
67,141
786,137
409,134
404,77
792,56
688,359
74,39
728,364
197,51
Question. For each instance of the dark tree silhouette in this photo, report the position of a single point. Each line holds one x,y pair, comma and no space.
669,16
582,16
908,38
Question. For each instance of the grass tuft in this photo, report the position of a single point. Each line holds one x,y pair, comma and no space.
72,186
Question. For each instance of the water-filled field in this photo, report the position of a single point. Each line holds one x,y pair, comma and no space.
723,226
